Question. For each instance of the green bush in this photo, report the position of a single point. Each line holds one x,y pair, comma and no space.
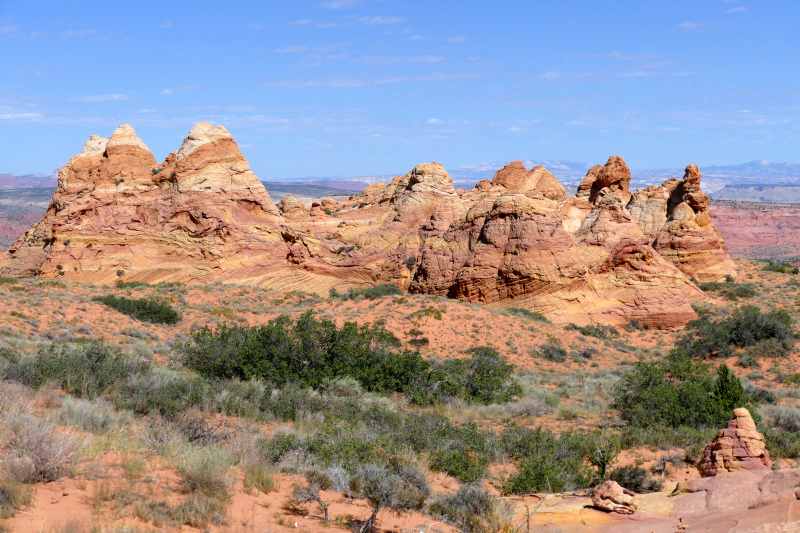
680,392
532,315
731,291
306,352
461,463
592,330
783,268
635,479
547,463
472,510
746,326
370,293
554,353
146,310
484,378
84,369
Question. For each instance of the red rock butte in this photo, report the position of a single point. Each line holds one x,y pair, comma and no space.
605,255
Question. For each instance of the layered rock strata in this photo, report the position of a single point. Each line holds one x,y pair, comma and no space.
515,241
736,448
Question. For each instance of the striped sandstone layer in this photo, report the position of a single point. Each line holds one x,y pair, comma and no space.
517,241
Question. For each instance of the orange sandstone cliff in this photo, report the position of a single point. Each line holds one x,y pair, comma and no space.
605,255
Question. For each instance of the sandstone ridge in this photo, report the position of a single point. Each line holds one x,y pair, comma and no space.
605,255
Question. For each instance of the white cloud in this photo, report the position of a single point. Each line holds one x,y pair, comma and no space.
457,39
433,121
339,4
346,82
79,34
21,117
304,21
689,25
6,30
745,111
415,38
736,10
513,129
39,35
379,20
101,98
166,25
386,60
329,25
292,49
552,74
685,73
255,25
182,89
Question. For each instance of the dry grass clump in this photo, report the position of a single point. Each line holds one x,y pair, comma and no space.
38,450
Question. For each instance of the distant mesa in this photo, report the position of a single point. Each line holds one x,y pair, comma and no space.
605,255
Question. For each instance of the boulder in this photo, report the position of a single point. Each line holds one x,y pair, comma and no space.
291,207
609,496
738,447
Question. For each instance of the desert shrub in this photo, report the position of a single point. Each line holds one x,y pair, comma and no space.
532,315
161,390
731,291
370,293
636,479
95,415
305,352
83,369
472,510
119,284
38,451
782,268
316,481
748,361
553,352
257,479
592,330
680,392
782,443
157,312
385,489
461,463
205,469
13,496
785,418
547,462
199,510
746,326
484,378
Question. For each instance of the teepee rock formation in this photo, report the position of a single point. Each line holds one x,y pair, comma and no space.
604,255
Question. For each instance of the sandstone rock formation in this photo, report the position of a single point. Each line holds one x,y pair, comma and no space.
736,448
611,497
515,241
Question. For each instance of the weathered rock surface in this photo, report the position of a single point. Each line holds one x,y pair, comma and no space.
609,496
515,241
736,448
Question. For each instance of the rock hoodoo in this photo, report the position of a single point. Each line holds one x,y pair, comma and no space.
603,255
736,448
609,496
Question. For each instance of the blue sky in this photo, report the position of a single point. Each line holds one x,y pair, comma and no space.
370,87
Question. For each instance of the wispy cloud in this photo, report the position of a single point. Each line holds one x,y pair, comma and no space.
622,57
21,117
736,9
456,39
304,21
689,25
349,82
182,89
433,121
379,20
329,25
80,34
255,25
513,129
39,35
166,25
292,49
388,60
685,73
339,4
7,30
101,98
